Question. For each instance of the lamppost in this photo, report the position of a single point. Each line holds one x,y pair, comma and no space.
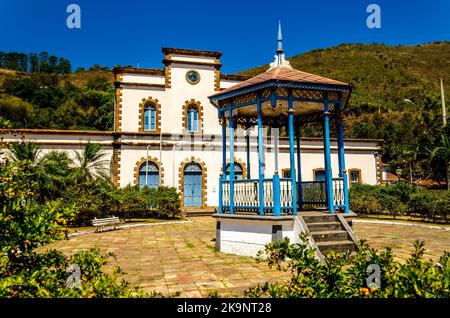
146,167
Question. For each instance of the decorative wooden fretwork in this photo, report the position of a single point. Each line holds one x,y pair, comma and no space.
297,93
333,95
265,93
281,91
244,98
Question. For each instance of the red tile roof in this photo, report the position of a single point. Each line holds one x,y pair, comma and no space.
283,73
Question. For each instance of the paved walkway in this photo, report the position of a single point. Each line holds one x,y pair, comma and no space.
176,257
181,257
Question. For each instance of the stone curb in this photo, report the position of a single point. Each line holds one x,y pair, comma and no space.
125,227
404,224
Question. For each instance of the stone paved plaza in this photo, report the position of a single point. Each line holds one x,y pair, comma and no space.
181,257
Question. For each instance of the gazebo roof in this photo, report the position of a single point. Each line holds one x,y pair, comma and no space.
282,73
281,87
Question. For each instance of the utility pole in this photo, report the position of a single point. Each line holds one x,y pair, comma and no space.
444,111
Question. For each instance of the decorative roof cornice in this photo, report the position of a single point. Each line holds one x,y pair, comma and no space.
168,50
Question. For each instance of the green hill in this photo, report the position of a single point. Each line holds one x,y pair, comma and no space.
381,75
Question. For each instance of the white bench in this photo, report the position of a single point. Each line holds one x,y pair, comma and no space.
105,222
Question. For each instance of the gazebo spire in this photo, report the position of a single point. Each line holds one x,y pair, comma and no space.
279,57
280,39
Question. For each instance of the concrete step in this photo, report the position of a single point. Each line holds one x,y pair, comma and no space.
324,236
324,226
338,246
319,218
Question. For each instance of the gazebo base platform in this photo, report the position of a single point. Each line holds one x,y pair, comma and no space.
246,235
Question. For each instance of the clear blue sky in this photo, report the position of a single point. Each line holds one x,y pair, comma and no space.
131,32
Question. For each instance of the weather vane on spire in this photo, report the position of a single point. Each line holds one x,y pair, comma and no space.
279,57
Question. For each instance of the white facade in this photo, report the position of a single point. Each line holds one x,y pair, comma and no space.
168,88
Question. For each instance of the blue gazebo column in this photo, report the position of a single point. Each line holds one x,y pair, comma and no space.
276,177
231,125
224,162
341,155
299,168
327,156
260,157
291,153
247,141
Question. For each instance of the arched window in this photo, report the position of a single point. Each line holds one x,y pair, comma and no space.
319,174
192,118
149,117
238,171
148,175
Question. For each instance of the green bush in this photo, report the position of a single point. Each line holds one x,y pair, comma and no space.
164,202
101,199
400,199
25,225
339,276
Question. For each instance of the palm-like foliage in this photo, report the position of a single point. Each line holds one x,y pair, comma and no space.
53,174
25,151
442,153
90,164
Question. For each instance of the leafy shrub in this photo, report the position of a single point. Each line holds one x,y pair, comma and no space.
49,275
400,199
339,276
25,225
165,202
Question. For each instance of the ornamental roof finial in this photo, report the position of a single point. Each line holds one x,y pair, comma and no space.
280,39
279,57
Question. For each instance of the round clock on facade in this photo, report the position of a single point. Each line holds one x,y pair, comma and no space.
193,77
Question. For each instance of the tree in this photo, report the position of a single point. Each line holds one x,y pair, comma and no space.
14,109
64,66
90,164
442,154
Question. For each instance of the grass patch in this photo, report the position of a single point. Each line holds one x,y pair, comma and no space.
190,245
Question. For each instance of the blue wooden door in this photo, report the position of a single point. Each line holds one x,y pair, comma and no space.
192,189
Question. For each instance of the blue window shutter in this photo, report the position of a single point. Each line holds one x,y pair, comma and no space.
153,119
195,121
189,126
146,123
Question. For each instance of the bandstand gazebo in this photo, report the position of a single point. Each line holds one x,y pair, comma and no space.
280,97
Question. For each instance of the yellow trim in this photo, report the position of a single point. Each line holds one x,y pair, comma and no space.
350,175
314,172
184,122
156,162
283,171
153,101
243,165
181,179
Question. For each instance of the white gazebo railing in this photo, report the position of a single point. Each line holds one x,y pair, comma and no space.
246,194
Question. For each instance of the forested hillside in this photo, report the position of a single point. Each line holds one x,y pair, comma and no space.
382,78
396,97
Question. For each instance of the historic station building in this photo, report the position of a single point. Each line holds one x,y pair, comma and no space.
167,132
